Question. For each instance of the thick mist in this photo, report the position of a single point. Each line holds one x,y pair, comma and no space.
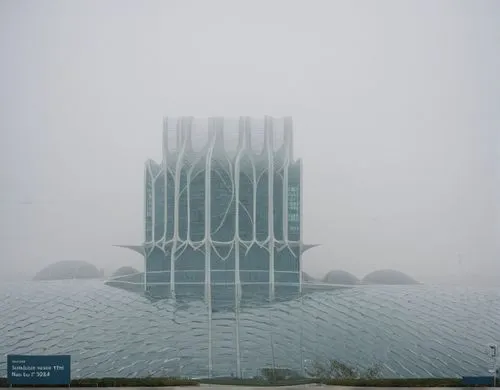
395,106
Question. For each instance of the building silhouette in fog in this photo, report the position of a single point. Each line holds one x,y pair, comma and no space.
222,216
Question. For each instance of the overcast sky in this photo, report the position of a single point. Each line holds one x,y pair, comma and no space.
395,105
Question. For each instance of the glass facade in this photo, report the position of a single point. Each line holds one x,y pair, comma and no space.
222,212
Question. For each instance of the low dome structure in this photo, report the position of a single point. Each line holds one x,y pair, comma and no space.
340,277
125,271
68,269
388,276
307,278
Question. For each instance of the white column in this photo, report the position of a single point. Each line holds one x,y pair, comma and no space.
208,234
145,226
167,189
242,148
178,167
286,164
300,225
268,140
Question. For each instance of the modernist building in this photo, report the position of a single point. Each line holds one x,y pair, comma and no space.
223,211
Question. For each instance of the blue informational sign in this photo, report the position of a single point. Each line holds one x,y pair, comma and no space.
477,381
39,370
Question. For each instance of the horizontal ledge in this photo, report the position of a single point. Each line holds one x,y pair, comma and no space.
141,248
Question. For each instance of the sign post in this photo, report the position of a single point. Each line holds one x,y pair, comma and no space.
39,369
493,354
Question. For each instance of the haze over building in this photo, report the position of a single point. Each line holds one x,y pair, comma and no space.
223,211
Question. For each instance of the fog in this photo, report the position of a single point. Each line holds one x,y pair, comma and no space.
395,107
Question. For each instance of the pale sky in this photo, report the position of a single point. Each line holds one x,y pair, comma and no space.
395,105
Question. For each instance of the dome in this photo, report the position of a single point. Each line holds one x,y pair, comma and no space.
340,277
307,278
68,269
388,276
123,271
